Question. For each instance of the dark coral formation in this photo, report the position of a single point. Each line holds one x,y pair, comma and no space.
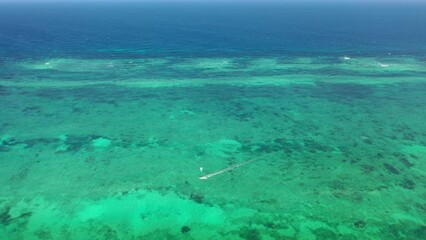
185,229
391,168
5,218
250,234
408,184
197,197
360,224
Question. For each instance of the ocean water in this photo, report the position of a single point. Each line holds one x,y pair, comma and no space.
212,121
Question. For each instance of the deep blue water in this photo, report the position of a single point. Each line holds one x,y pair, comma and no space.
135,30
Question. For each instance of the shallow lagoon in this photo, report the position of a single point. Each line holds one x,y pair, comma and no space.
112,148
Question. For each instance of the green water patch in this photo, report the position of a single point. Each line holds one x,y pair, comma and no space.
150,214
342,92
339,158
110,94
223,148
147,212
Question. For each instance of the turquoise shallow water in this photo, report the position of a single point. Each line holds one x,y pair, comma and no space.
110,142
340,157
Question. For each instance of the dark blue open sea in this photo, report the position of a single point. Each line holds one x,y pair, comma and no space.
210,29
213,120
